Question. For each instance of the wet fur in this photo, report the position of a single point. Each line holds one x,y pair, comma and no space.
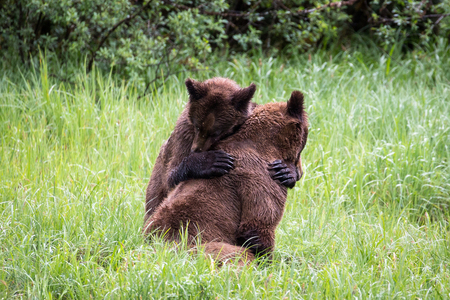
216,109
220,97
244,207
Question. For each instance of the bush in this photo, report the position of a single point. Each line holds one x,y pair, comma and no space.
147,40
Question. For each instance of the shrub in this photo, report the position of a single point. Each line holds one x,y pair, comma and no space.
146,40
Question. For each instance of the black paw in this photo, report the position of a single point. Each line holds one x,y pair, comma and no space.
252,241
280,172
213,163
252,244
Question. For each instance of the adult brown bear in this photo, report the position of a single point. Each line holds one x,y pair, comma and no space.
216,109
245,205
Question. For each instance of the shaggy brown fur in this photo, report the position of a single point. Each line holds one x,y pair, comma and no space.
216,109
245,206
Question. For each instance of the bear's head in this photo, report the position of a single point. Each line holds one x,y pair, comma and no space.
279,129
217,108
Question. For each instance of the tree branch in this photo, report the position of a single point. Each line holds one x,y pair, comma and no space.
105,37
236,14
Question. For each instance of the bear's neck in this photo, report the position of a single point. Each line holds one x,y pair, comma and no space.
253,137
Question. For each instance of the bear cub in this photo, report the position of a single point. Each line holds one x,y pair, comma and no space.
216,109
244,206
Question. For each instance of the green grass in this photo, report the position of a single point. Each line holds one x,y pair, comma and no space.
369,219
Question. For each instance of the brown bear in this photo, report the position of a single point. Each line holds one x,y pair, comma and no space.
243,207
216,109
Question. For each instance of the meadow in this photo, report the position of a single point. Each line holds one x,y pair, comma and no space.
369,219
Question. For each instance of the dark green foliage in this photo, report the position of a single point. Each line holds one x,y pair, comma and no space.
146,40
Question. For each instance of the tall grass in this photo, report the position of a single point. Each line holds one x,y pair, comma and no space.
369,219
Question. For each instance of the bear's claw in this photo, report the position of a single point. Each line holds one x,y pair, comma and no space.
279,171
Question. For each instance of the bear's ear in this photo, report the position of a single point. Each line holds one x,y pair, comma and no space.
196,89
295,105
241,98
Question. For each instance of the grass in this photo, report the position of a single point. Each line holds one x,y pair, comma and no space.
369,219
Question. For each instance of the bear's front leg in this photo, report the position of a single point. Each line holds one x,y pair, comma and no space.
205,165
262,207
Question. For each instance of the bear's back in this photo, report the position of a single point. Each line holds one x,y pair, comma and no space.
207,206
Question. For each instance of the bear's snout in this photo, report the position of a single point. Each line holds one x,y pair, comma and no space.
196,148
200,144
